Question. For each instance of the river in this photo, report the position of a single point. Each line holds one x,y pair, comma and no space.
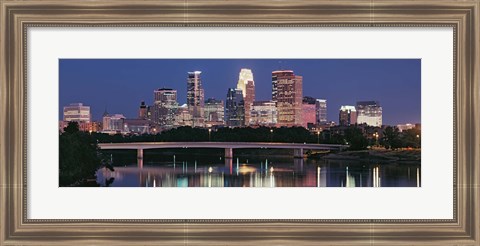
210,169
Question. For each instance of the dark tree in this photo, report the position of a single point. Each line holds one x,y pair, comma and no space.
78,156
391,138
355,138
72,127
411,138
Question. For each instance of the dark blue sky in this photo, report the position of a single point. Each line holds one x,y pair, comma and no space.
121,84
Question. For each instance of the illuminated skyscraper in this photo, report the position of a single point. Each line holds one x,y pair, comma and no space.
164,107
234,108
214,112
347,116
264,113
370,113
77,112
321,111
195,98
308,112
247,85
287,92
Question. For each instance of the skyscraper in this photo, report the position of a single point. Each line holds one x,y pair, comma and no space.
264,113
370,113
287,92
214,112
164,107
234,108
321,111
195,98
347,116
247,85
308,112
77,112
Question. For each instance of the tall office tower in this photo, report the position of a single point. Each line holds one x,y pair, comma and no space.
195,98
214,112
234,108
321,111
287,92
143,111
77,112
247,85
347,116
308,112
370,113
264,113
164,107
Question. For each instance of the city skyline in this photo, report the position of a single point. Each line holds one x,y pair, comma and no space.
120,85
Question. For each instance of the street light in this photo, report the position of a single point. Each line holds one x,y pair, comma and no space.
154,134
209,134
376,138
318,137
271,135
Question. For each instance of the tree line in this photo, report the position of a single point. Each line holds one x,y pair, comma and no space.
353,136
80,157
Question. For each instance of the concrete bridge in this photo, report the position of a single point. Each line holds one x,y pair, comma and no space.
228,146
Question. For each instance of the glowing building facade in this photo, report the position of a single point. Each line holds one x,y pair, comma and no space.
370,113
321,111
347,116
263,113
77,112
165,106
113,124
234,108
247,85
404,127
214,112
308,112
287,92
195,98
183,116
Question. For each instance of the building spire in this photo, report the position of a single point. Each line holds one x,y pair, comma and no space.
105,113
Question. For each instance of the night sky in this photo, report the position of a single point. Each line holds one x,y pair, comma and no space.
119,85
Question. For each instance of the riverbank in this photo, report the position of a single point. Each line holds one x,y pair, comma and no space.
413,155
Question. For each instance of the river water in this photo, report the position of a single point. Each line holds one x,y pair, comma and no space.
188,170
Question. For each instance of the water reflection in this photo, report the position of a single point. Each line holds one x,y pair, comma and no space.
262,173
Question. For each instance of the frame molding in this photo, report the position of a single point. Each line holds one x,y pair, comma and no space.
16,16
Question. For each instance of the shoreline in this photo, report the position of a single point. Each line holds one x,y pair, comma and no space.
413,155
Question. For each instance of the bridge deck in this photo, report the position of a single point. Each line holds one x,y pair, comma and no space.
220,145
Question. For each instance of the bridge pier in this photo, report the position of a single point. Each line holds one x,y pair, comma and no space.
228,153
139,153
298,153
140,158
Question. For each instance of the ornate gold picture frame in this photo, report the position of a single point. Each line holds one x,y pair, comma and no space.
17,16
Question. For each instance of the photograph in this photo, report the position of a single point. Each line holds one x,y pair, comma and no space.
239,123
